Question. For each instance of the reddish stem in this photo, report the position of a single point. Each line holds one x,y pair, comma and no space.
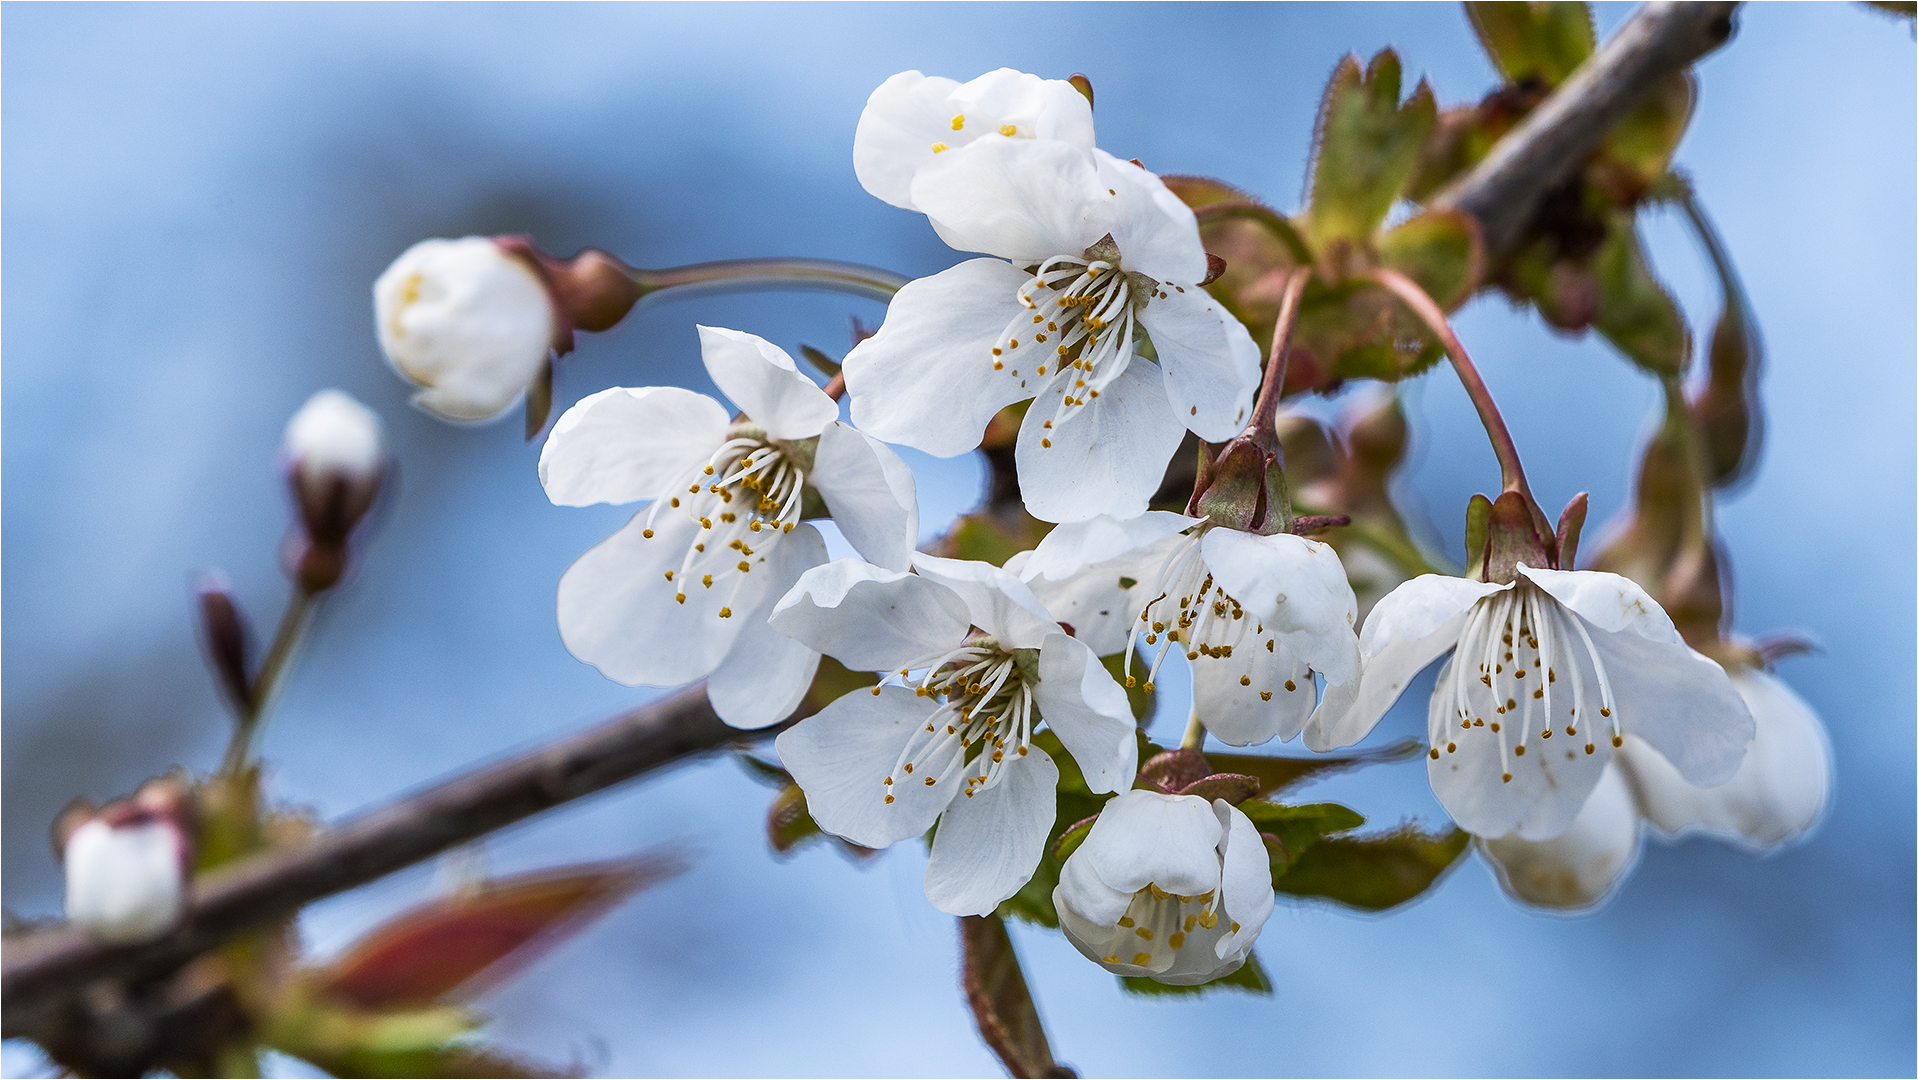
1265,412
836,386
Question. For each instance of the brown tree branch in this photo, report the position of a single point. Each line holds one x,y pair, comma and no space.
1661,38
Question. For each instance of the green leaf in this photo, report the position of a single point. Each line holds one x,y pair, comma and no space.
983,538
1367,148
1638,150
1635,313
1250,978
1376,872
1543,41
1442,250
1277,773
1297,828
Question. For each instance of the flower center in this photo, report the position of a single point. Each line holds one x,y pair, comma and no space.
1156,924
1518,640
985,721
745,497
1206,623
1079,325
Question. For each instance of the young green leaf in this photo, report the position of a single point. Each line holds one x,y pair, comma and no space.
1541,41
1250,978
1635,313
1276,774
1367,146
1376,872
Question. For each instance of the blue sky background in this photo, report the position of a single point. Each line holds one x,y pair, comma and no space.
197,199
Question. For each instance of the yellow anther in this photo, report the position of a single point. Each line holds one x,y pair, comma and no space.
647,533
1144,932
938,148
669,575
1047,443
1126,921
1507,778
1265,695
1008,130
1618,741
680,597
959,122
1208,919
1290,685
1141,959
1520,751
1190,922
725,613
744,566
707,581
1245,680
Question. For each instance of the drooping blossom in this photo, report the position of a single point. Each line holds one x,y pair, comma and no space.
1167,886
1254,615
126,868
1550,673
1094,260
682,591
974,665
467,321
912,118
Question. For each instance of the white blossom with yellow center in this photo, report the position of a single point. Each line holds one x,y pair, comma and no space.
682,591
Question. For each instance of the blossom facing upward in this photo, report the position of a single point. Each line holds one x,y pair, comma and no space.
126,874
1550,673
913,117
682,591
1776,797
334,454
467,322
1093,261
1166,886
974,664
1254,615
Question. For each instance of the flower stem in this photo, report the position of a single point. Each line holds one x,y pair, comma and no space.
267,684
1511,471
745,275
1266,410
1194,733
836,386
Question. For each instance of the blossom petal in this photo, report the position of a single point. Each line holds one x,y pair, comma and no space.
870,493
1157,234
1019,199
1089,712
1143,837
896,133
1775,797
1254,694
926,379
999,603
1211,362
989,844
1083,893
1106,456
1577,869
1245,881
1037,108
766,674
765,383
618,612
1101,602
1297,588
842,755
1414,624
870,618
624,444
1072,547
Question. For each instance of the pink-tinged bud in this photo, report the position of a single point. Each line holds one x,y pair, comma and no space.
335,455
127,865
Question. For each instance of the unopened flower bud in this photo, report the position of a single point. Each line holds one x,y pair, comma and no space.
335,455
469,322
227,639
127,866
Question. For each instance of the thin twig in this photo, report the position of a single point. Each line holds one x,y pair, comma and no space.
272,676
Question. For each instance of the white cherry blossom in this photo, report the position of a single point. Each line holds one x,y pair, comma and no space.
126,881
1776,798
1166,886
1254,615
972,660
912,117
1093,261
1552,671
467,322
682,591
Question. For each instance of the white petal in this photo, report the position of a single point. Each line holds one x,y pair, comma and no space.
124,884
870,493
896,133
1083,893
989,844
1578,868
1102,601
1211,362
1144,837
1775,797
1607,601
1036,108
841,756
1089,712
1297,588
1106,456
618,612
1680,702
624,444
1000,604
765,383
926,379
469,323
1156,232
1245,881
766,674
1333,723
870,618
1227,692
1415,624
1021,200
1072,547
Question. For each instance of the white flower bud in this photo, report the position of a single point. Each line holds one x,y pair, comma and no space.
126,883
466,321
333,437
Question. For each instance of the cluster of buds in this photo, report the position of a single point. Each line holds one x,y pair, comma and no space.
128,863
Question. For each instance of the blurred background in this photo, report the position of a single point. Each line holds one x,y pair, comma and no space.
198,198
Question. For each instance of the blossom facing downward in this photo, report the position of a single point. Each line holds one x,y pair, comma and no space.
1254,615
1550,673
682,591
1776,798
1166,886
126,876
468,323
913,117
974,664
1093,261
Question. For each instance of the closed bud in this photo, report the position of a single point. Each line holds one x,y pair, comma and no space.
127,865
335,455
227,639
